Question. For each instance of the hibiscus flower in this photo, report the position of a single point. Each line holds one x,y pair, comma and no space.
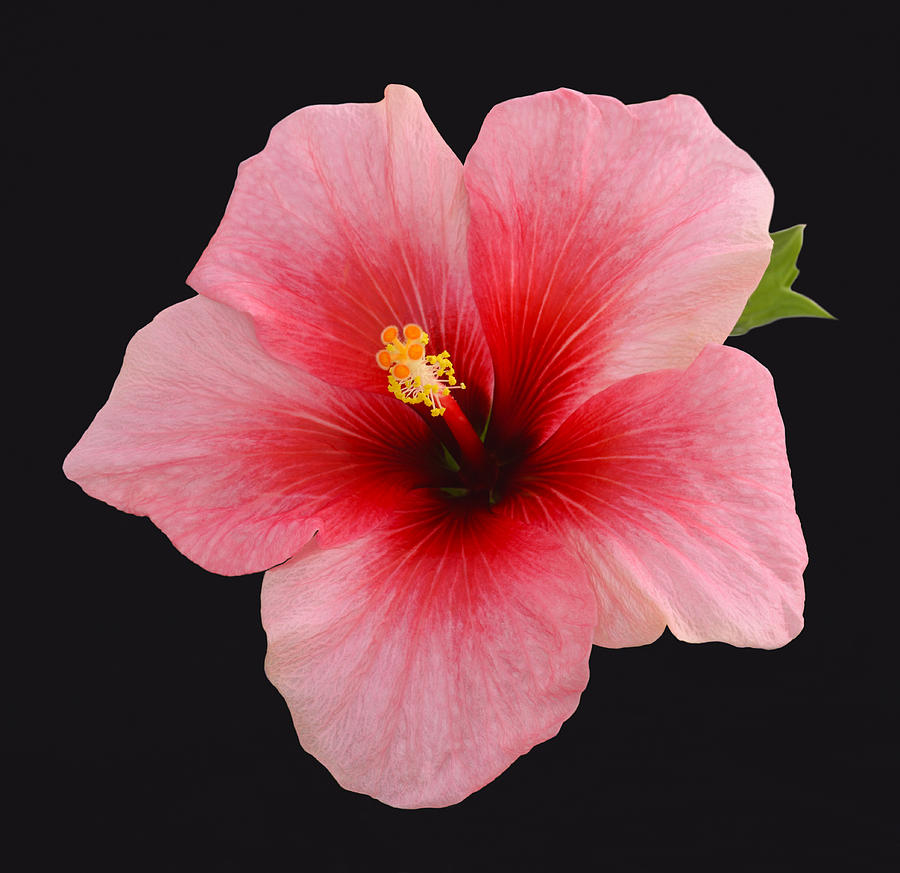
438,569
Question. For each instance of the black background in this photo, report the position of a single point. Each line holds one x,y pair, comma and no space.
154,740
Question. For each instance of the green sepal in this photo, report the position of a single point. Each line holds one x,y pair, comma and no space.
773,298
455,492
449,461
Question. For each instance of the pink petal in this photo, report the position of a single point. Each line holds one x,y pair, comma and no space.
679,482
626,615
419,662
353,217
605,240
238,457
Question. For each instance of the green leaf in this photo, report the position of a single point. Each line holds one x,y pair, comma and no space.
773,299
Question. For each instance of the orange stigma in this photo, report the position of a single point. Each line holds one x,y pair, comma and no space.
413,376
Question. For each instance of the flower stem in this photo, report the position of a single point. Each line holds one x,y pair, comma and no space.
469,443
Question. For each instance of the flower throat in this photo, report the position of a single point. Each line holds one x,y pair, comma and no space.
415,377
